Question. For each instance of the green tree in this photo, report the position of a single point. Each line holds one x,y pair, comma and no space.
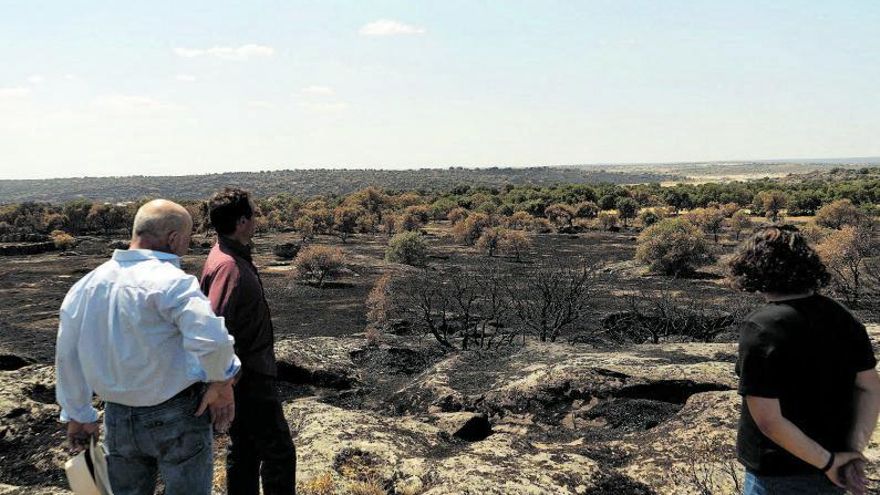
672,246
678,200
649,217
627,209
442,207
771,203
408,248
586,209
805,203
608,202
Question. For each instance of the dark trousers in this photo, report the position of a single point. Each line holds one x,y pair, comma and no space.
260,445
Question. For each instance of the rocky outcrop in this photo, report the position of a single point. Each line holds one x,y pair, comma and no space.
542,419
400,452
554,411
552,380
32,449
319,361
695,446
468,426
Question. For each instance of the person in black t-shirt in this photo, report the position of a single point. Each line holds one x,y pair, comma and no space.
811,394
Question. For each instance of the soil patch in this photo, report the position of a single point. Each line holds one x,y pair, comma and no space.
673,391
11,362
618,484
631,415
394,359
28,457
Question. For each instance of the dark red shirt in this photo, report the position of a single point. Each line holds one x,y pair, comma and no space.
231,282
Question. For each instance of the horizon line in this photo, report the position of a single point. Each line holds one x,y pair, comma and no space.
769,161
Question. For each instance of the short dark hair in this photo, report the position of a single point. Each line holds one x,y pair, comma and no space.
226,207
777,259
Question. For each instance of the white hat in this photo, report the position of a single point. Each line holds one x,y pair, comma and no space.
87,471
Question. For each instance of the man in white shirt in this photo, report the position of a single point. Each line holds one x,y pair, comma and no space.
139,333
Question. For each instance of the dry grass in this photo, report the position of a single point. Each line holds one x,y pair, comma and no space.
220,462
366,488
358,465
411,489
322,484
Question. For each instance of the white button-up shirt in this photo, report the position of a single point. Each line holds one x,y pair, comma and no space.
137,330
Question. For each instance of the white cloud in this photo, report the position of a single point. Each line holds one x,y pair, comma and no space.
70,77
133,105
260,104
243,52
388,27
14,92
36,79
318,91
185,78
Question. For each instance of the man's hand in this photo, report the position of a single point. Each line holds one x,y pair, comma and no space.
78,434
854,477
220,400
841,459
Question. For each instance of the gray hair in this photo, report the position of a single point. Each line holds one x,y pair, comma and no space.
158,218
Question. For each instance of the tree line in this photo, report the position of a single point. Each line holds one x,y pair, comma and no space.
372,209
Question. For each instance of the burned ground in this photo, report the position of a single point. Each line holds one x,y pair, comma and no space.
587,396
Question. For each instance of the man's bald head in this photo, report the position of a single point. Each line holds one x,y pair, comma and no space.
157,220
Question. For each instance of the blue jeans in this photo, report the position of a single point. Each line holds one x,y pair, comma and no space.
168,439
804,484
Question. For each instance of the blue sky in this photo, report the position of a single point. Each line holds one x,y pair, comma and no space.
162,87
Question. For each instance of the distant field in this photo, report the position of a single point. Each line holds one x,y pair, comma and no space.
730,171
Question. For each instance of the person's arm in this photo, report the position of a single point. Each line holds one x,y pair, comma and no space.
768,416
206,338
221,287
867,409
866,403
72,392
204,333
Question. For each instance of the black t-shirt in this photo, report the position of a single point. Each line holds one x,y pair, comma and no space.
805,352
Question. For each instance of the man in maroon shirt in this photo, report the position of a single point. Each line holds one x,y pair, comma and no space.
260,442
